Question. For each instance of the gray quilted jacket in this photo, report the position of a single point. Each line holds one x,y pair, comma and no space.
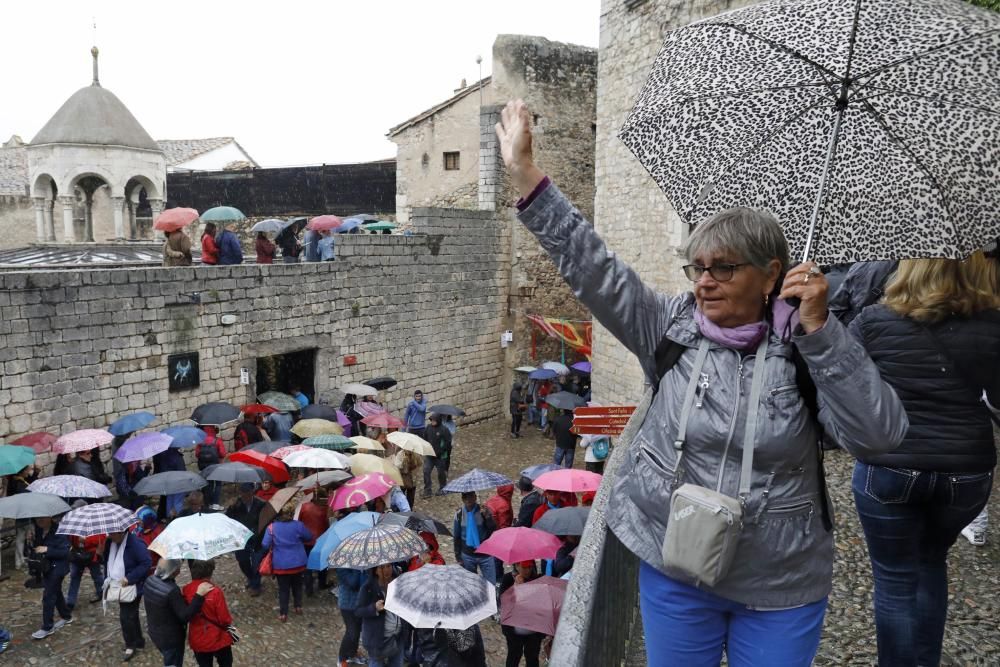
785,555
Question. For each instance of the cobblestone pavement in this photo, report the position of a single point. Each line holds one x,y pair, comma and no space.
972,637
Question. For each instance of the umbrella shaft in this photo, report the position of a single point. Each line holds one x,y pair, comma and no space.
831,150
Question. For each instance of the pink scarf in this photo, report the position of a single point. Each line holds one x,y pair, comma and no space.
748,336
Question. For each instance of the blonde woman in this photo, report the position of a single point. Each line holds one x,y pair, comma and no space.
936,339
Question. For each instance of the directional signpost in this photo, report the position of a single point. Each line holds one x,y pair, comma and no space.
603,420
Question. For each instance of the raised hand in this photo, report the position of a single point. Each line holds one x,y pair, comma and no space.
514,134
807,283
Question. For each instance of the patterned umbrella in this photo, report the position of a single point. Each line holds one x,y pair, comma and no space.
280,401
201,537
358,389
513,545
476,480
131,423
376,546
570,480
41,441
360,490
82,440
536,471
223,214
564,521
14,458
216,413
143,446
366,444
411,442
316,458
32,505
446,596
277,470
329,441
234,473
416,521
383,420
97,519
335,534
534,605
362,463
281,453
368,408
306,428
183,437
324,478
870,129
172,481
69,486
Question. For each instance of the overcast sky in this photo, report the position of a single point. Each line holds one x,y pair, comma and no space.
295,82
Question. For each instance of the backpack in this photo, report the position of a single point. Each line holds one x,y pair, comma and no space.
208,452
669,351
600,448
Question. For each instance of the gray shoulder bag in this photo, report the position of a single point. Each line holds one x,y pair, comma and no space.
703,529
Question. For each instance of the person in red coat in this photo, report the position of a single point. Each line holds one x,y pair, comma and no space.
266,490
430,557
314,514
208,636
265,249
209,248
553,500
500,505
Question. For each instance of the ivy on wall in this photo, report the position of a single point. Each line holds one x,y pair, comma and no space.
989,4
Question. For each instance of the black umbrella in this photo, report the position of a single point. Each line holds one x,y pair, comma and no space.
172,481
564,521
382,383
318,411
445,409
565,400
234,473
216,413
267,446
417,521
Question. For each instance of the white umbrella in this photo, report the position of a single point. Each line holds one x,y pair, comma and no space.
524,369
364,443
359,389
411,442
201,537
561,369
316,458
446,596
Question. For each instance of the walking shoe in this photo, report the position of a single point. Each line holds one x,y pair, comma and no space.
356,660
61,622
976,537
95,599
41,633
129,654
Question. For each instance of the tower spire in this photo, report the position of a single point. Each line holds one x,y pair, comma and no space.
94,53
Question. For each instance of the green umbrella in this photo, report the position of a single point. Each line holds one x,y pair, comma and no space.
14,459
380,226
280,401
330,441
222,214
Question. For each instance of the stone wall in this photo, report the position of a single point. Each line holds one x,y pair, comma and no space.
80,348
630,211
17,221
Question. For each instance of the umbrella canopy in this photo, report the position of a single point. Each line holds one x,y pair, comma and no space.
376,546
270,510
525,369
542,374
533,472
337,533
564,521
306,428
275,469
182,437
324,478
819,111
379,226
268,447
97,519
445,409
82,440
358,389
315,458
175,218
512,545
32,506
584,367
367,444
320,411
258,409
201,537
269,226
565,400
348,225
280,401
534,605
131,423
570,480
41,441
559,368
445,596
234,473
411,442
324,222
383,420
143,446
381,383
172,481
223,214
360,490
476,480
364,463
215,414
69,486
329,441
14,458
416,521
284,451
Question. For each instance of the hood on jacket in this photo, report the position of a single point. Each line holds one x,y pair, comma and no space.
430,539
506,492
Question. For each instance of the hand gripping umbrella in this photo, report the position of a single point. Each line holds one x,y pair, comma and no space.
441,596
871,129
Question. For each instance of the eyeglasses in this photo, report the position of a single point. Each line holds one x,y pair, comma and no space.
720,272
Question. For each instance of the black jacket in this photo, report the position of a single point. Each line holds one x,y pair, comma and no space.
57,548
440,439
863,286
248,517
167,613
950,428
529,504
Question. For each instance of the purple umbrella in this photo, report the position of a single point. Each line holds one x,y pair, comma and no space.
582,367
143,446
342,419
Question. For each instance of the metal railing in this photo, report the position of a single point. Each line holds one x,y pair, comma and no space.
600,610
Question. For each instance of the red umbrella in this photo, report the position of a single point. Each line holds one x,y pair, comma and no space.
256,409
272,466
383,420
534,605
321,222
175,218
512,545
568,479
41,442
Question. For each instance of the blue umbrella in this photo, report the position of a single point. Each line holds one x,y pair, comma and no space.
476,480
337,533
222,214
131,423
542,374
347,226
184,436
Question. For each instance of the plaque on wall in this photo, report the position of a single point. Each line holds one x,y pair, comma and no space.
183,370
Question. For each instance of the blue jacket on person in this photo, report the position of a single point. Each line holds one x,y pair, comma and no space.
326,247
416,413
287,539
137,561
349,588
310,245
56,548
230,251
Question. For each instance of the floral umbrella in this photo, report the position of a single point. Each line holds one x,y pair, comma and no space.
82,440
69,486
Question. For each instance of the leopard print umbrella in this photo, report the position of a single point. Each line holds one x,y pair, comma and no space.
879,120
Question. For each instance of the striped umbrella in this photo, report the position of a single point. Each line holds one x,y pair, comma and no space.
378,545
307,428
476,480
445,596
97,519
82,440
143,446
69,486
329,441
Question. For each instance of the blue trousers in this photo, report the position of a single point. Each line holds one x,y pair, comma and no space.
564,457
76,571
486,564
175,503
249,560
689,627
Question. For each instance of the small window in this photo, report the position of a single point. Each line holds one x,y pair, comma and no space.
451,161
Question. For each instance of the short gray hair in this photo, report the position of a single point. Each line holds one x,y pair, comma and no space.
754,235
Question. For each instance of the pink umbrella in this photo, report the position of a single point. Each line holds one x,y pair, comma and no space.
290,449
534,605
82,440
321,222
360,490
41,442
383,420
368,408
512,545
568,479
175,218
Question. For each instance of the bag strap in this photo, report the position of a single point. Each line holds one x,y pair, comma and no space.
753,414
962,373
692,389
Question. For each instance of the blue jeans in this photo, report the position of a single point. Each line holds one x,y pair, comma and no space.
175,503
532,413
249,560
543,417
76,576
394,661
564,457
688,626
486,564
910,519
173,657
53,600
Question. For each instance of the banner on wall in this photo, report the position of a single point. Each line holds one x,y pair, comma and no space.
575,334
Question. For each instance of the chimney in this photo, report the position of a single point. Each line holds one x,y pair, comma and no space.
462,86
